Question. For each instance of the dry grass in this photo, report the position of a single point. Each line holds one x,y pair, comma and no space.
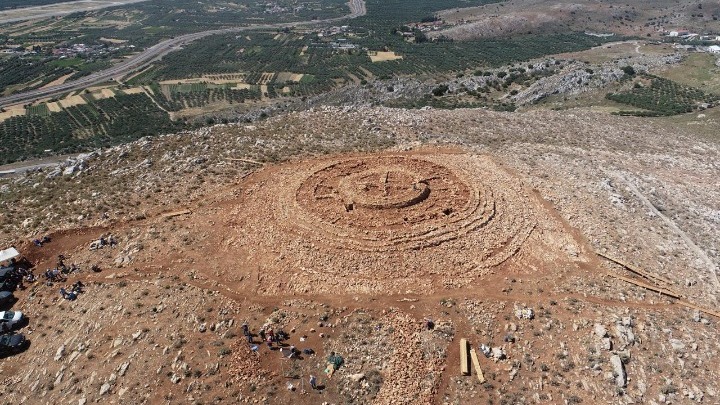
54,107
72,101
104,93
697,70
59,80
289,76
617,50
11,113
133,90
634,17
113,40
59,9
383,56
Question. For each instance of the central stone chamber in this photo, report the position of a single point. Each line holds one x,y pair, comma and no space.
384,195
382,188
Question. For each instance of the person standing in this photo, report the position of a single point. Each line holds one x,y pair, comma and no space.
247,333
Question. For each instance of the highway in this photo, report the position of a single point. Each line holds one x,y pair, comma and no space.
155,52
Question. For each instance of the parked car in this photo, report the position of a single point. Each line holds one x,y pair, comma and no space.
6,297
10,319
11,344
6,273
8,285
9,278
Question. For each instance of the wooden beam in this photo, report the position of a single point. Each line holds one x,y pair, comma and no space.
636,270
650,287
176,213
464,360
476,363
699,308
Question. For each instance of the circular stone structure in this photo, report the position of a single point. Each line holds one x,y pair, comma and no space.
380,188
379,202
381,222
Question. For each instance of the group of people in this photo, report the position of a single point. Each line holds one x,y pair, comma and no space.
15,274
60,271
102,242
59,274
41,241
269,336
266,335
75,290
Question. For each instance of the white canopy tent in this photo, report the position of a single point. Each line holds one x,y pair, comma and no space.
8,254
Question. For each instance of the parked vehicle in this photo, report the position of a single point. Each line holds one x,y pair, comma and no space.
11,344
6,273
6,297
10,319
8,285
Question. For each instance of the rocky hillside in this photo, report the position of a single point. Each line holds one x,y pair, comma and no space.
161,322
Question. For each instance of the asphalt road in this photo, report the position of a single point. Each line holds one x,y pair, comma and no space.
157,51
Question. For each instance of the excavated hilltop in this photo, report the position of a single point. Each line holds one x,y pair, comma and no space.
576,252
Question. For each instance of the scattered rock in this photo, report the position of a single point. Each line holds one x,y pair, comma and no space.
60,353
600,331
677,345
618,371
357,377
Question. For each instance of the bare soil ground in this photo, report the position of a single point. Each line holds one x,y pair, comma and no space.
59,80
620,50
59,9
347,228
633,18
